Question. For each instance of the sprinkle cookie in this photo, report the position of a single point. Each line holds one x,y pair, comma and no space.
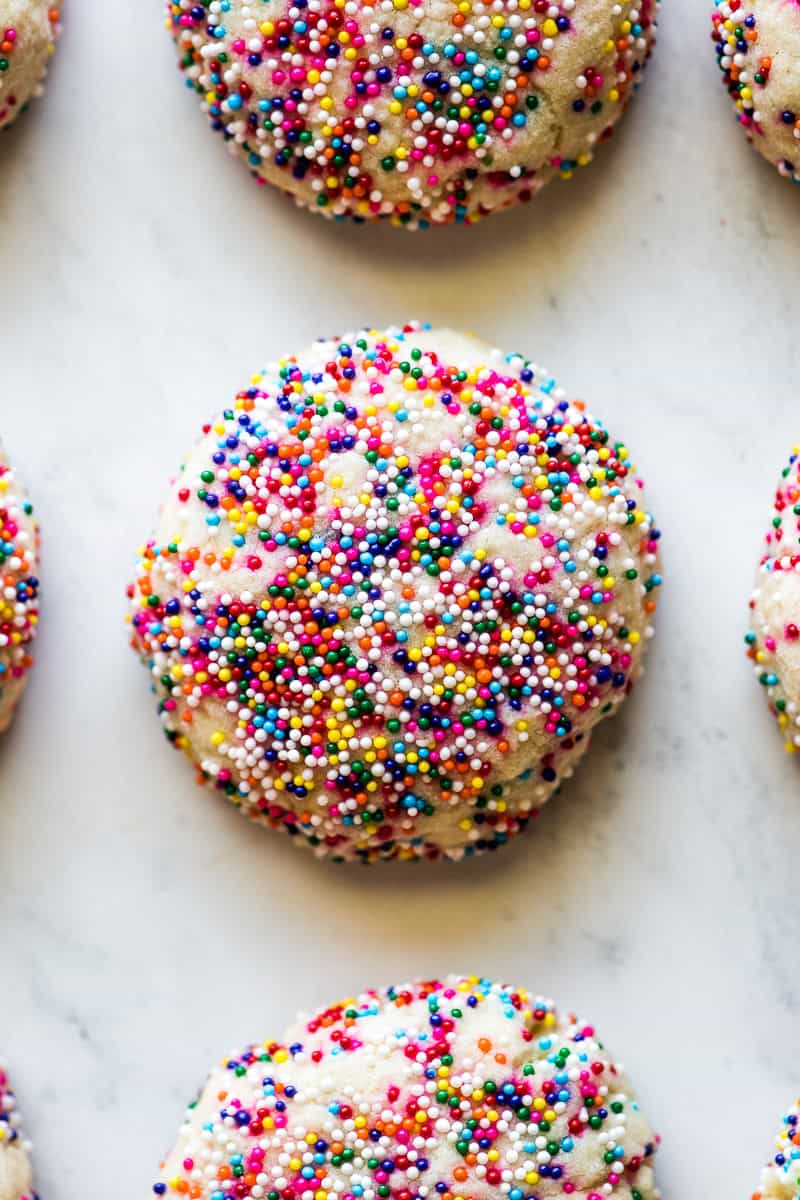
758,50
443,1089
399,580
19,589
774,641
780,1179
28,29
15,1168
419,113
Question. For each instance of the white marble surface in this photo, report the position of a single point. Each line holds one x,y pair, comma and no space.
145,929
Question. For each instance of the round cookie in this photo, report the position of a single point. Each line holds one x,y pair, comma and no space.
398,581
15,1168
758,50
780,1179
774,641
450,1088
28,29
422,114
19,587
